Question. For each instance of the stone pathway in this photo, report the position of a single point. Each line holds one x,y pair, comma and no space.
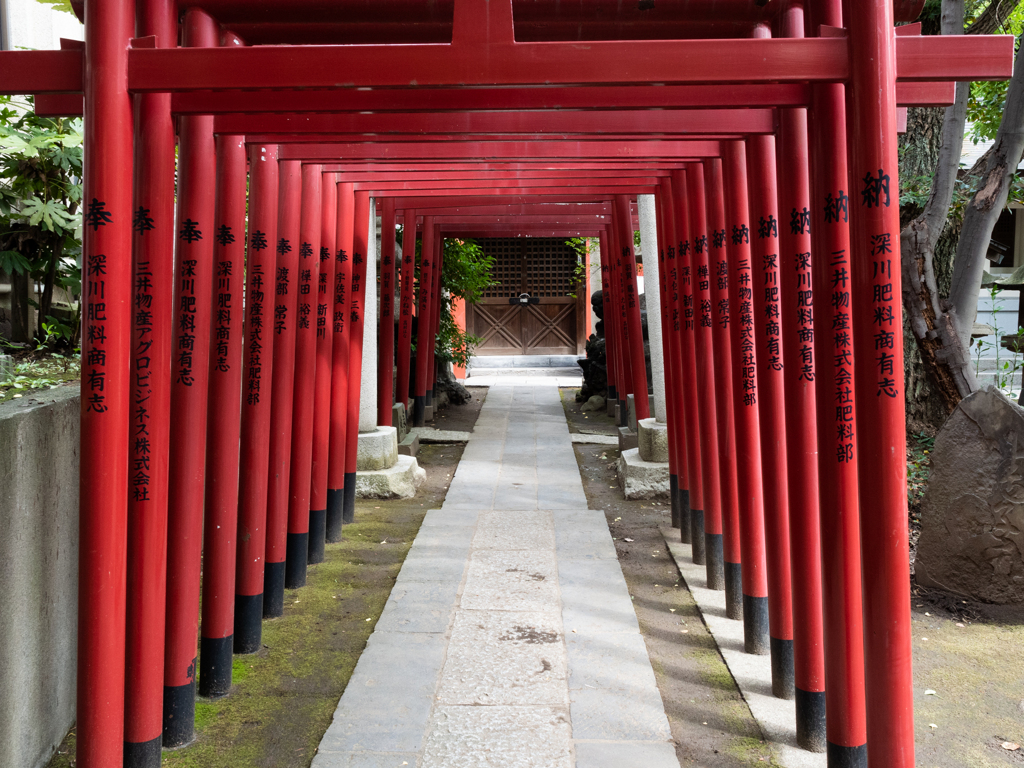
510,638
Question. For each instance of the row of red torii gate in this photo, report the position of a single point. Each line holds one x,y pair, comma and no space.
231,305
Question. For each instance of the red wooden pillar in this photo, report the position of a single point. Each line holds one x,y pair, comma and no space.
687,369
340,376
407,299
386,331
669,335
106,347
709,526
423,315
837,456
324,370
608,321
435,315
745,401
286,294
258,358
149,430
301,467
881,418
722,318
637,359
361,212
189,401
801,424
225,392
764,219
624,383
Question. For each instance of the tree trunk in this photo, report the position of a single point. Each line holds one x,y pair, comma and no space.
46,299
20,329
932,320
986,206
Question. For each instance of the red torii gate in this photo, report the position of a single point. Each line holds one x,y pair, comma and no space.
485,52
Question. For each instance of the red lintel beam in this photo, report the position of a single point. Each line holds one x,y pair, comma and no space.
477,99
502,149
712,121
910,94
557,211
42,71
932,57
604,188
481,177
470,185
456,138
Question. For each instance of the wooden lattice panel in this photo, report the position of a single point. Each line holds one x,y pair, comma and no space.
507,272
550,265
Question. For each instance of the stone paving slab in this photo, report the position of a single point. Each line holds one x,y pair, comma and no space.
753,674
509,639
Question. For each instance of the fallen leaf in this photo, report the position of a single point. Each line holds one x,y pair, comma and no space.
1010,746
930,692
959,624
370,619
627,539
932,725
672,609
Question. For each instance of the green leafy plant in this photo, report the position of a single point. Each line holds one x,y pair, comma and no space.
40,220
579,272
465,275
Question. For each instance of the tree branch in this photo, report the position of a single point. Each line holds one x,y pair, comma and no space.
986,206
993,17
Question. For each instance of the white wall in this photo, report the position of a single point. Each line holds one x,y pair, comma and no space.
28,24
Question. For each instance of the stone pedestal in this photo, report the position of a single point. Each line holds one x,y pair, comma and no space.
377,449
400,421
641,479
381,472
652,438
627,439
397,482
410,446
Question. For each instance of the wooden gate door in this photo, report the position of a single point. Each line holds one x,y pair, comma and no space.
543,268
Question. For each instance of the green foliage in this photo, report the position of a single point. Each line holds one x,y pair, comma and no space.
46,370
465,274
579,273
988,98
636,238
58,5
40,197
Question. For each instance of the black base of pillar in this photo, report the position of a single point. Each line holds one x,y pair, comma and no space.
612,396
673,494
783,677
755,625
623,412
734,591
349,515
430,397
317,536
697,544
715,563
295,560
248,635
215,666
143,754
273,590
810,720
419,404
684,515
335,514
179,715
846,757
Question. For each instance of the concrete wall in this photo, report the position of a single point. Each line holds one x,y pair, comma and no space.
38,573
